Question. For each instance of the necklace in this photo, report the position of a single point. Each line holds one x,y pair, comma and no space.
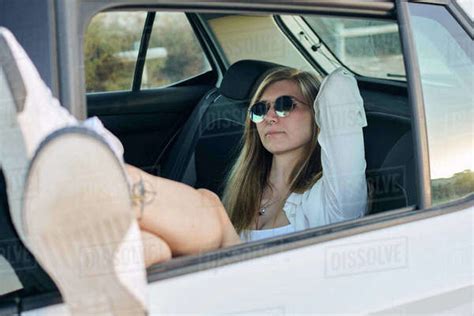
263,209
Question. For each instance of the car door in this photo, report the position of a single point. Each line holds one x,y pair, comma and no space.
416,259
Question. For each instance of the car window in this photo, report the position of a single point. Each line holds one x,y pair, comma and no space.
445,59
111,45
367,47
467,6
254,37
174,53
171,58
10,281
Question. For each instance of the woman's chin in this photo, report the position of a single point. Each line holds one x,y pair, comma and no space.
276,150
279,149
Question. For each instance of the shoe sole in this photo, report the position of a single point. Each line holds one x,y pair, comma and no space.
78,219
13,156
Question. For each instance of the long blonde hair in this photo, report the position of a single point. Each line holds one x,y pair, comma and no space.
249,175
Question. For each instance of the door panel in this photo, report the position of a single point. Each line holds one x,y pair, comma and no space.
404,268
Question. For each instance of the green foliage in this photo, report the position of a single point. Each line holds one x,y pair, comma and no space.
111,34
104,39
459,185
185,58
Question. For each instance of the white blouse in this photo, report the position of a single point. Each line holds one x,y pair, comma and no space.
341,193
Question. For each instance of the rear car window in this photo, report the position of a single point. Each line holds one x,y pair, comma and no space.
112,44
254,37
174,53
367,47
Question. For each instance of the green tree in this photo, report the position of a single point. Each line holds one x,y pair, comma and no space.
111,34
464,182
105,38
184,54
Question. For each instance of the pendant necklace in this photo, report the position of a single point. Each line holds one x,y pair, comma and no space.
263,209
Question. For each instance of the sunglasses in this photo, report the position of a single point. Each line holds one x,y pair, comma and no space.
283,105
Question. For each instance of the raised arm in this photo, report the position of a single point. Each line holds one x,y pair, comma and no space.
340,116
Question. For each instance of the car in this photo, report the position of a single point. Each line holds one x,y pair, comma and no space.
172,80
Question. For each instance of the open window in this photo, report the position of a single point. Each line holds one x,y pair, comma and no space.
200,152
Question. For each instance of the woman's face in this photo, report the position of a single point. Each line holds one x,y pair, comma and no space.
280,135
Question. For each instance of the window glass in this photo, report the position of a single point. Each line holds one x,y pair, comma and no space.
111,47
445,57
10,281
255,37
367,47
174,52
467,6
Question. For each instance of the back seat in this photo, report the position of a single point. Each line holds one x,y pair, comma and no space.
210,141
394,182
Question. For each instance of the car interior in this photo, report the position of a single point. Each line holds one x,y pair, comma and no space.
191,132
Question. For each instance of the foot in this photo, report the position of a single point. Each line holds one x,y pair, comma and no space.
28,113
80,226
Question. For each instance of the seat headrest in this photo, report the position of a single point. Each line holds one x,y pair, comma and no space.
242,77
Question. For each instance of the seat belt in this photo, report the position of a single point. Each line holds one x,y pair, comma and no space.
190,134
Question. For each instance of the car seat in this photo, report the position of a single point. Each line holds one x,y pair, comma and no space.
207,145
210,141
394,183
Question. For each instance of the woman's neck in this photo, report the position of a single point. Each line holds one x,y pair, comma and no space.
282,167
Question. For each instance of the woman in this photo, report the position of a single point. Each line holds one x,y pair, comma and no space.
302,163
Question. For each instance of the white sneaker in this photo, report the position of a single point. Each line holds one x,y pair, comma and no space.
28,113
80,226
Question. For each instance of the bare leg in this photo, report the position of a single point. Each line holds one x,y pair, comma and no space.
190,221
155,249
229,235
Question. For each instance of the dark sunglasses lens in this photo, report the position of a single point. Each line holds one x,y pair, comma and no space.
258,111
283,105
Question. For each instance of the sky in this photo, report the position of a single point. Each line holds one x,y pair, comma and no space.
468,6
